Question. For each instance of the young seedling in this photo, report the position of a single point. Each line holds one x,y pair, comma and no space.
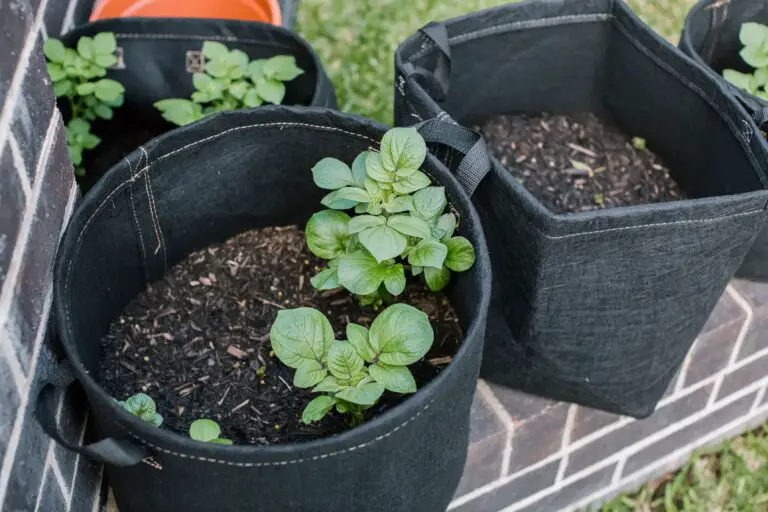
143,407
400,223
78,76
207,431
229,82
754,37
352,374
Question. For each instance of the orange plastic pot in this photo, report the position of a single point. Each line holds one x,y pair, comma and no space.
265,11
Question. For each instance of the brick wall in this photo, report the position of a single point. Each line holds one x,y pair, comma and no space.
530,454
37,194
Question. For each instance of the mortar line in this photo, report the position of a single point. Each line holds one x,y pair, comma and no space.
487,396
567,429
77,460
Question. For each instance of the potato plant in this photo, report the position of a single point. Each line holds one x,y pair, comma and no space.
207,431
231,81
143,407
351,374
754,37
400,222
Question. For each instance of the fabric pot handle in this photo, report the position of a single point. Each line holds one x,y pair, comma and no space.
436,82
475,163
117,452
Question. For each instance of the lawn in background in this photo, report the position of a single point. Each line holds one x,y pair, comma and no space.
356,40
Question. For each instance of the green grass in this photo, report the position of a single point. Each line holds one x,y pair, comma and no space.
356,40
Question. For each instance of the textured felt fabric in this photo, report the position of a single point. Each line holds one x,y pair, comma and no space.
711,38
157,57
202,184
600,307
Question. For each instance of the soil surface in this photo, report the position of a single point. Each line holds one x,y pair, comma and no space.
197,341
579,163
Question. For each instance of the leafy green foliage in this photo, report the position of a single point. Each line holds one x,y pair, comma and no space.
207,431
143,407
400,222
754,37
353,373
78,75
231,81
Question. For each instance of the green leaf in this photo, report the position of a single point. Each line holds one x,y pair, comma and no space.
394,280
331,174
282,67
360,273
239,89
344,362
402,148
217,68
155,420
215,51
461,254
362,394
76,153
238,63
437,278
446,225
252,98
103,111
256,70
85,47
62,87
202,82
272,91
309,373
327,232
358,337
753,34
416,270
362,222
411,226
383,242
300,334
104,44
399,204
429,202
326,280
397,379
140,404
54,50
328,385
345,198
401,335
108,90
179,111
412,183
376,169
359,170
90,141
105,61
79,126
221,440
85,89
317,409
56,72
756,57
761,76
204,430
428,253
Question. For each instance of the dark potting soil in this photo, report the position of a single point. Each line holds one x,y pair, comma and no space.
578,163
197,341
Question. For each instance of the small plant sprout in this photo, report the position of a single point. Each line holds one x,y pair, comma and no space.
352,374
78,76
229,82
400,223
143,407
207,431
754,37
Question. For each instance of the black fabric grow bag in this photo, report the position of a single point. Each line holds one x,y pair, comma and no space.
711,38
157,59
599,307
202,184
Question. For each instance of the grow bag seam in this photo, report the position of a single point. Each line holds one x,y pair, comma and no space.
277,463
136,219
192,37
517,25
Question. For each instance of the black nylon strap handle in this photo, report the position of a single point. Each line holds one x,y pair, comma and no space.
117,452
475,164
436,82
